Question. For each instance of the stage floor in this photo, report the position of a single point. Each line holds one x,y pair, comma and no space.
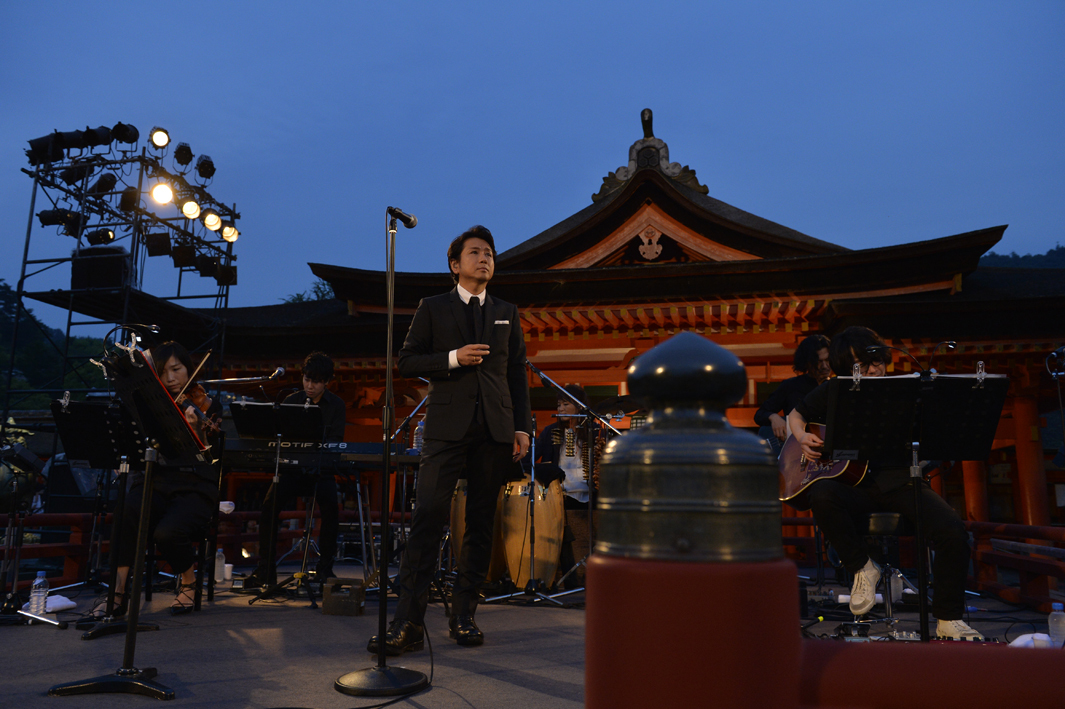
283,654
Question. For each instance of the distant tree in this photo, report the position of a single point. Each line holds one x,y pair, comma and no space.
1054,258
320,290
39,356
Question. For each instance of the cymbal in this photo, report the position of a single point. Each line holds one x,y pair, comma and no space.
618,403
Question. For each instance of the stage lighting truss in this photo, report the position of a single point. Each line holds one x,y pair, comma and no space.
111,189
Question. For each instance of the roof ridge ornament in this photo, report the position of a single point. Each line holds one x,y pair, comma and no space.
649,153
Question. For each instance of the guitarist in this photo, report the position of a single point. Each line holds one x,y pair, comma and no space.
840,509
812,367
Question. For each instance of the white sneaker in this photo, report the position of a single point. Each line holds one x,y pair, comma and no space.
863,592
956,630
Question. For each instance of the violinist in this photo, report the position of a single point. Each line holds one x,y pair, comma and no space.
183,498
317,373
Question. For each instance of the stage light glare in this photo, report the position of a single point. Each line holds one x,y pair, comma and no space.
229,232
211,220
100,236
183,154
190,208
162,193
205,167
125,133
160,137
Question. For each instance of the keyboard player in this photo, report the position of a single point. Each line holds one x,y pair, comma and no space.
317,373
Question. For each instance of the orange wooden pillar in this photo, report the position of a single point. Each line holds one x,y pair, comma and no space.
974,474
1030,493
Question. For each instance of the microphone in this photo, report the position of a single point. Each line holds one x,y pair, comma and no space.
277,373
409,220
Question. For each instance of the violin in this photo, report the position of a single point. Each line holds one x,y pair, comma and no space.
196,397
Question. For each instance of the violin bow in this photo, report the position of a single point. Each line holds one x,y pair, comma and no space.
192,377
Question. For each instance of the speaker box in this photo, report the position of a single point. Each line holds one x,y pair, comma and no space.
103,266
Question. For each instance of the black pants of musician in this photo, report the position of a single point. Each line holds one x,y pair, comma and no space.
284,494
176,519
841,512
576,540
483,462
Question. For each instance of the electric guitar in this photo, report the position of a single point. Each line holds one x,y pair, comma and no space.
797,472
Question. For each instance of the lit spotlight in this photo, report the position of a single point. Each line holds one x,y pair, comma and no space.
190,208
100,236
162,193
205,167
229,232
183,154
125,133
160,137
211,220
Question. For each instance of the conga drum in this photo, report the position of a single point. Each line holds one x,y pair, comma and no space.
498,564
547,508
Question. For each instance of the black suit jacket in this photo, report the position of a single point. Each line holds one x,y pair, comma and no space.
439,326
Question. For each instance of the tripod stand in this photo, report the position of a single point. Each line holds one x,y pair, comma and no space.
300,578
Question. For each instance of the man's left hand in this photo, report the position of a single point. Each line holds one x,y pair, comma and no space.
521,444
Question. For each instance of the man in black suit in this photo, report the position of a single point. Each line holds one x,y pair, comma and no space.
477,424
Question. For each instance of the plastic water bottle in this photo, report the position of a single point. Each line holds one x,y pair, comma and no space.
1057,625
219,566
419,435
39,595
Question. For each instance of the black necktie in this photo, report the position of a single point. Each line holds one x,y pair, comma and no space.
477,318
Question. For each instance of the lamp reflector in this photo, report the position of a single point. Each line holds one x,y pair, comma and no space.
160,137
211,220
162,193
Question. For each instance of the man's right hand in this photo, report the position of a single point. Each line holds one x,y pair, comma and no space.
780,427
471,355
811,445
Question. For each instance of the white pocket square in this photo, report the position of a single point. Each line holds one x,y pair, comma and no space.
502,322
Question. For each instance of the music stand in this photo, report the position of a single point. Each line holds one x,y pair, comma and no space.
286,424
102,436
171,442
944,417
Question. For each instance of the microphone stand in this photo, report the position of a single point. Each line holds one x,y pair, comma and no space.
381,680
585,411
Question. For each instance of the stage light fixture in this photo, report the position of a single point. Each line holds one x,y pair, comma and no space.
162,193
158,244
160,137
184,256
101,135
183,154
190,208
73,140
44,149
129,200
205,167
70,221
105,184
229,232
76,173
125,133
207,265
98,237
211,220
226,275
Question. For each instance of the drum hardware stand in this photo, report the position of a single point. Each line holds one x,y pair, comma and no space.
534,588
592,494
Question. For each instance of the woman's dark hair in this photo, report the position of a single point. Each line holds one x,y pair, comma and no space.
454,252
576,391
856,340
806,353
318,367
161,354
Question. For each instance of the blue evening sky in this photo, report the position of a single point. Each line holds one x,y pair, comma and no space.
860,123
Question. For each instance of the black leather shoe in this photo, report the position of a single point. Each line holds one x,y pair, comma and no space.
402,636
464,631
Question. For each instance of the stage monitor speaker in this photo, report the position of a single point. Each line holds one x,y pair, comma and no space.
100,267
